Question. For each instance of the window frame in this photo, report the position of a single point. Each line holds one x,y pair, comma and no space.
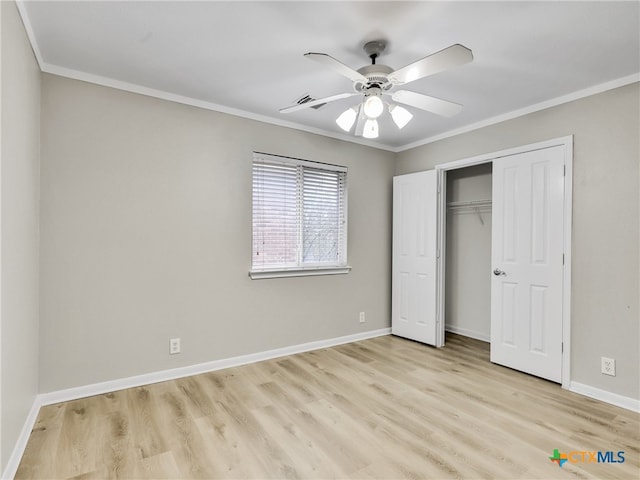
255,272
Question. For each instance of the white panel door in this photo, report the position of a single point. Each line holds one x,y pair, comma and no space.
413,305
527,262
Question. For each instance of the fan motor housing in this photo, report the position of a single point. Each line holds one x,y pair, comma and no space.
376,75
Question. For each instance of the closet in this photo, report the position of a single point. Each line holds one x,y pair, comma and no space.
481,247
468,252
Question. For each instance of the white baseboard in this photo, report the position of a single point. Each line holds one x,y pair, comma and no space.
604,396
468,333
14,460
161,376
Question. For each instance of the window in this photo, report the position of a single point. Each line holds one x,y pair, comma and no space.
299,217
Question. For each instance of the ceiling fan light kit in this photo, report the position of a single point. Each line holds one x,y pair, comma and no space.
374,82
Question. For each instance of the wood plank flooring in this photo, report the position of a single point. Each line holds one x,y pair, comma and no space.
384,408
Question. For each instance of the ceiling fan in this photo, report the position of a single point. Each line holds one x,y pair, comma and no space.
375,82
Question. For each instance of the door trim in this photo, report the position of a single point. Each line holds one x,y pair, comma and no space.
441,169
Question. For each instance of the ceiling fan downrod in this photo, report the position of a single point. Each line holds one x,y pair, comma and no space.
374,48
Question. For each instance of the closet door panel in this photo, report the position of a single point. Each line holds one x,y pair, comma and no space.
413,307
527,252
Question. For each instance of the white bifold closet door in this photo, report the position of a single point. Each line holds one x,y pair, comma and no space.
527,262
413,304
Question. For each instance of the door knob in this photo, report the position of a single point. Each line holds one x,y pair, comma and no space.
498,272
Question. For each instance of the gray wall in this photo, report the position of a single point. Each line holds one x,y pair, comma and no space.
468,254
146,235
605,315
19,187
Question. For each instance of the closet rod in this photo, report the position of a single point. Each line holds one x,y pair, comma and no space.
470,203
472,206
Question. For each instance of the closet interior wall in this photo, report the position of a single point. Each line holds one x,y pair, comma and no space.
468,252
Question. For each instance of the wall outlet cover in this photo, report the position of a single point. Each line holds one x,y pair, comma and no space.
608,366
174,346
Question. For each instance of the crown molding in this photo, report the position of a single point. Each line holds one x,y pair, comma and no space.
577,95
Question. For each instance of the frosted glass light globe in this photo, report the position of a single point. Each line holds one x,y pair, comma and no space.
346,120
373,107
370,129
401,116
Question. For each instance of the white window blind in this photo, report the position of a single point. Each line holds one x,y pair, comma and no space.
299,216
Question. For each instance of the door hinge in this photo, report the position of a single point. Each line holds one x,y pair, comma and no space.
563,258
564,170
437,253
562,347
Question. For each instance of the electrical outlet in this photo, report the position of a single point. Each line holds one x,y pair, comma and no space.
174,346
361,317
608,366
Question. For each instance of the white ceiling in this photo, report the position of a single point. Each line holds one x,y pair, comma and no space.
247,57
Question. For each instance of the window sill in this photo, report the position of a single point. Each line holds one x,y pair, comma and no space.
297,272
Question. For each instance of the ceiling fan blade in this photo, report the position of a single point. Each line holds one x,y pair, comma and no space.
425,102
360,122
337,66
313,103
450,57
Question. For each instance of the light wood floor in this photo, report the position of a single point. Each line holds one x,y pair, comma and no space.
384,408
